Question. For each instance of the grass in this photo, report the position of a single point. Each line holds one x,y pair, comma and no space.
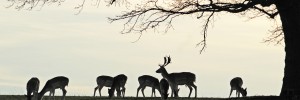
22,97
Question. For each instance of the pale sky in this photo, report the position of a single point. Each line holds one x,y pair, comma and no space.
53,41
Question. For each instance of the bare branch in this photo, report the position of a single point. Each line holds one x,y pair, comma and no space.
205,28
276,36
158,12
30,4
271,13
80,7
152,14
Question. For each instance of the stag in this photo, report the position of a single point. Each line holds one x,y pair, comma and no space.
103,81
32,88
59,82
175,79
150,81
118,84
236,84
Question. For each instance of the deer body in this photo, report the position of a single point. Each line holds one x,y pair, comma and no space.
164,88
103,81
59,82
175,79
236,84
119,85
32,87
150,81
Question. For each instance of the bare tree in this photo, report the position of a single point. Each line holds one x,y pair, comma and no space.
32,87
153,13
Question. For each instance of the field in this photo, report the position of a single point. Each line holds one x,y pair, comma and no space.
21,97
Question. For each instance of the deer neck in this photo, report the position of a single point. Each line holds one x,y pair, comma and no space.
166,75
240,89
43,91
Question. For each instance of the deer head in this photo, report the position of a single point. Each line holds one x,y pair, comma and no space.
111,93
244,92
167,60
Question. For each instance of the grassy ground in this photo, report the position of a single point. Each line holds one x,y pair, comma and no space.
21,97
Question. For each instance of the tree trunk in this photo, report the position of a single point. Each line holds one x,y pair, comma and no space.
289,11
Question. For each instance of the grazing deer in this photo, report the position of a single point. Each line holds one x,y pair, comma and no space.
164,88
150,81
32,87
55,83
175,79
236,84
119,82
103,81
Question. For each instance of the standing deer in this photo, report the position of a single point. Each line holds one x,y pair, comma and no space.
119,82
175,79
150,81
55,83
164,88
236,84
32,87
103,81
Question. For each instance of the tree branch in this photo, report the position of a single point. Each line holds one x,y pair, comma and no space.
158,12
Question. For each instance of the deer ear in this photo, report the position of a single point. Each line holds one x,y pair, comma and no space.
245,89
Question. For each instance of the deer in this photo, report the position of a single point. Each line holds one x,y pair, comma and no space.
118,84
150,81
175,79
59,82
32,87
236,84
164,88
103,81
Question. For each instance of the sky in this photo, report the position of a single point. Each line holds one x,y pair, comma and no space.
53,41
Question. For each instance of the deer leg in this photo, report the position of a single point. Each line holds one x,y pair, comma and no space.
172,93
64,93
50,92
175,91
35,95
123,91
230,92
118,92
153,92
138,89
95,90
100,88
191,89
195,87
143,88
53,93
237,93
28,95
153,89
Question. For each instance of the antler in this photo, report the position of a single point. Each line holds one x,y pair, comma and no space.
167,60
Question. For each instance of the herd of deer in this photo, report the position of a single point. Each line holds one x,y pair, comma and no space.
118,82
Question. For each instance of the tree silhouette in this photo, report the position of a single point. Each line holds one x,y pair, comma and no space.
153,13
